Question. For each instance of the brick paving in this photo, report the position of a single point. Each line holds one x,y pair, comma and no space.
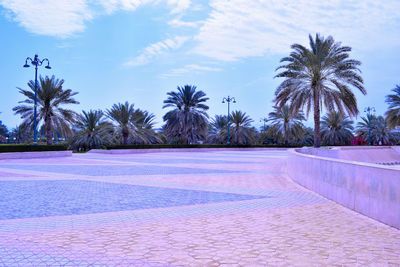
226,208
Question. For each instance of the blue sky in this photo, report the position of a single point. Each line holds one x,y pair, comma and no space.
138,50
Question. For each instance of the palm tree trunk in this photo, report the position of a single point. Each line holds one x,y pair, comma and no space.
125,133
317,114
286,134
48,131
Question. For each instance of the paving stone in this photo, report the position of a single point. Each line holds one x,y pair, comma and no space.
233,208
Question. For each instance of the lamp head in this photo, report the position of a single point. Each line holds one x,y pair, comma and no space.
234,101
48,67
223,101
26,65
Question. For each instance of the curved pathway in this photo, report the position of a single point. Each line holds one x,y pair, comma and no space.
178,208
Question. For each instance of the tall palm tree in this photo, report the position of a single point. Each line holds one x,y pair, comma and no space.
393,114
217,129
242,132
285,125
336,129
52,116
321,75
188,119
122,114
380,132
92,131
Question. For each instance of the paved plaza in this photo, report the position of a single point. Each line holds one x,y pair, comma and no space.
216,208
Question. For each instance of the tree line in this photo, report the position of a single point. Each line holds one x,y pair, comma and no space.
321,76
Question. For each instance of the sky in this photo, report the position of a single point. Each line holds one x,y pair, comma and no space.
138,50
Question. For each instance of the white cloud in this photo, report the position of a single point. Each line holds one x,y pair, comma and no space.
242,28
63,18
180,23
115,5
156,49
178,5
49,17
188,68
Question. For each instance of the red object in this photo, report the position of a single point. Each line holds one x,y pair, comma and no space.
358,141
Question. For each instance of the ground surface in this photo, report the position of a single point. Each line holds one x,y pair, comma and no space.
174,209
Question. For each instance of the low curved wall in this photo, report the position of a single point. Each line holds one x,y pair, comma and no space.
370,189
37,154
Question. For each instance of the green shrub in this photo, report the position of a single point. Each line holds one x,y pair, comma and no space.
30,148
152,146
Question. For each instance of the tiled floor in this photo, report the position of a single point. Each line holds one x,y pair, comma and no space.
178,208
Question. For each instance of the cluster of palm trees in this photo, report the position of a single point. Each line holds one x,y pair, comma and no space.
321,76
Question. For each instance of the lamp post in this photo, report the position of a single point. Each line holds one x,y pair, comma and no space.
36,62
229,100
369,110
264,120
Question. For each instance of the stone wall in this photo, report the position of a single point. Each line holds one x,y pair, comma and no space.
370,189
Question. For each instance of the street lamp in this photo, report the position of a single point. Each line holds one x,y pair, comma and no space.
369,110
229,100
264,120
36,62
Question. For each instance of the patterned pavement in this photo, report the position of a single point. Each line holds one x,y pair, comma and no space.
225,208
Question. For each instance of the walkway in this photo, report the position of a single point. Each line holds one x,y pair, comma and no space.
174,209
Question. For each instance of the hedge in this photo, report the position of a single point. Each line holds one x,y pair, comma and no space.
142,146
30,148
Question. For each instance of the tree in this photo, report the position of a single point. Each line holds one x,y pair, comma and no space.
52,117
308,138
323,74
187,122
393,114
122,114
92,131
3,132
380,132
135,126
242,133
336,129
143,132
21,134
286,126
217,129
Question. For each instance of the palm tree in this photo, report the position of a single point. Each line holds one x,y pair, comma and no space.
393,114
142,125
3,131
217,129
21,134
336,129
92,131
321,75
52,117
242,133
380,132
122,114
308,138
187,122
285,125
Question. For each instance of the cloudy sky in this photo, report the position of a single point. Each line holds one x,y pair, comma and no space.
114,51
